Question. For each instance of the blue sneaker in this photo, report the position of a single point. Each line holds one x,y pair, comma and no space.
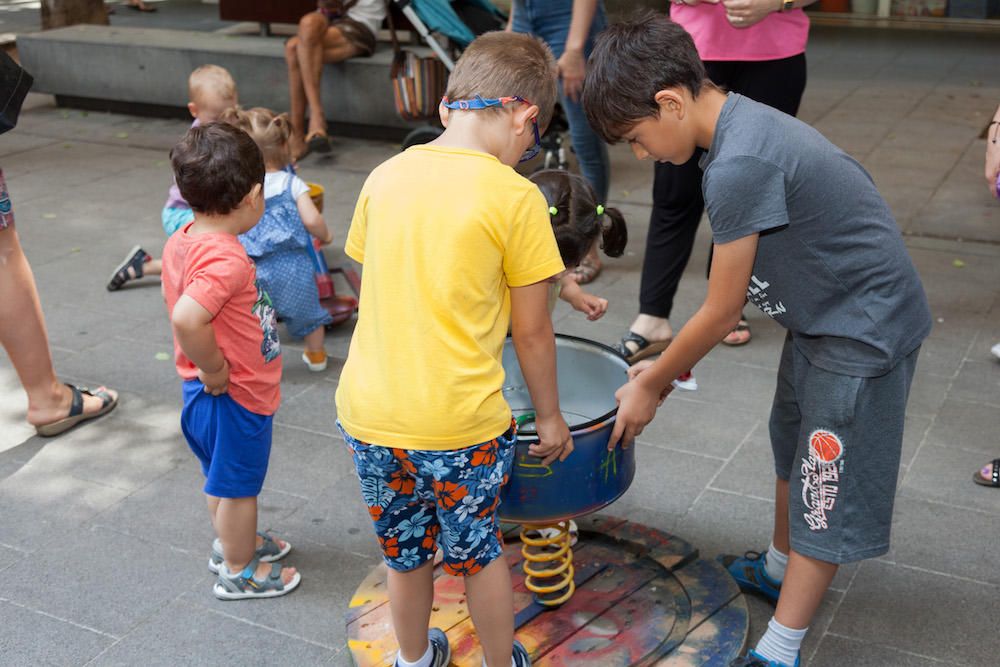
521,657
748,571
440,647
753,659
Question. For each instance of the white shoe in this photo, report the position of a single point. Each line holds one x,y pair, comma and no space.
995,350
314,366
686,382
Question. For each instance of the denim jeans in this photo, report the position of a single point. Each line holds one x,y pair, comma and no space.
549,20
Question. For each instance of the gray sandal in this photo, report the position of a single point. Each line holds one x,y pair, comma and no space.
269,551
245,586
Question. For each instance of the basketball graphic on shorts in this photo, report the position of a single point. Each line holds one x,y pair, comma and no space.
826,446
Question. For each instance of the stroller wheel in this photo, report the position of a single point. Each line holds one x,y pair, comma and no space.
421,135
340,308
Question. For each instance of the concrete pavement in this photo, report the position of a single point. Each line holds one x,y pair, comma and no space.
103,534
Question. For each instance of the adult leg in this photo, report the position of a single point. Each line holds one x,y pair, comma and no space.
319,43
673,223
296,96
24,337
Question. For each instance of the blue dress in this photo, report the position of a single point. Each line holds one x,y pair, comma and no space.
278,245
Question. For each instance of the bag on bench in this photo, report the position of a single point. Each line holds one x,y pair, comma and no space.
14,85
418,83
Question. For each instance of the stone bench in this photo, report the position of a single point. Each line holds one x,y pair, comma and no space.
141,70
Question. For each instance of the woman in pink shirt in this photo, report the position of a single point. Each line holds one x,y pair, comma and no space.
752,47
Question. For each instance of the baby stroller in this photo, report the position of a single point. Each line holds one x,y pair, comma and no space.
461,21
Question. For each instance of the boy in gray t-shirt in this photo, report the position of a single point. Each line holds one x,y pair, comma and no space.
799,230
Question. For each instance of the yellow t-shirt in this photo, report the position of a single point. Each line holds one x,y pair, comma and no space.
442,234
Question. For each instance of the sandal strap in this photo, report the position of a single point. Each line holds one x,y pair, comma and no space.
995,477
76,407
247,579
631,337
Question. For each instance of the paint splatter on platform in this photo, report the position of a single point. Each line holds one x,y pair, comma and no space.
644,597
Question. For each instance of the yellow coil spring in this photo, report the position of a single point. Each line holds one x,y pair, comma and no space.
539,554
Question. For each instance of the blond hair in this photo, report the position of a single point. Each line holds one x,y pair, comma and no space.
269,129
211,79
504,64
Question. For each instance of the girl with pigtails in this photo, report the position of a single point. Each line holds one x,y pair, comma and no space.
577,220
279,243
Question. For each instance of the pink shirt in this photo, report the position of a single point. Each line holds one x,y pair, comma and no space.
214,270
780,35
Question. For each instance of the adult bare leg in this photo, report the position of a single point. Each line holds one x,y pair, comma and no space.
312,35
297,96
24,337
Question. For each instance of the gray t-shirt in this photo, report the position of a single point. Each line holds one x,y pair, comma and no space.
831,266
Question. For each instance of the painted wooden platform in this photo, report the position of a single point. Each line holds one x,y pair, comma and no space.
647,599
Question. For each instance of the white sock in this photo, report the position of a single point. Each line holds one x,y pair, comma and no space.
422,661
513,663
775,564
780,644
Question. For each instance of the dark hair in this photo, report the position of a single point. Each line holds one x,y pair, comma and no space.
577,217
631,62
216,165
501,64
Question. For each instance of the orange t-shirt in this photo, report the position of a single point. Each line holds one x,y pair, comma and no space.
214,270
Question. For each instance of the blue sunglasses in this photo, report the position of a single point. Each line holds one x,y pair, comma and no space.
480,102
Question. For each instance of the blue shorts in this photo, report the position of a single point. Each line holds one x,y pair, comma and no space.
420,499
175,218
232,443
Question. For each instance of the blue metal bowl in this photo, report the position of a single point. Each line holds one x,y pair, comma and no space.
591,477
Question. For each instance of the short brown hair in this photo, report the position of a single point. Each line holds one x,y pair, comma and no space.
211,79
503,64
269,129
216,165
631,62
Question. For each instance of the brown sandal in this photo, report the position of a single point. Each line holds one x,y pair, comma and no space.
738,336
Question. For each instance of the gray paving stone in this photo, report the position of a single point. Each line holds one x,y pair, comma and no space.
303,464
924,535
965,425
978,381
313,409
723,523
919,612
41,504
182,633
336,517
102,579
945,474
33,638
315,610
685,423
834,651
751,470
669,481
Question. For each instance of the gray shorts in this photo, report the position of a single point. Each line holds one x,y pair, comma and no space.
837,440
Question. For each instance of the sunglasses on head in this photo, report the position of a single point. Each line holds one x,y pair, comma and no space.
480,102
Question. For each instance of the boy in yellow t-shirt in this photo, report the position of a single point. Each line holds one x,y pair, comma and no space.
456,245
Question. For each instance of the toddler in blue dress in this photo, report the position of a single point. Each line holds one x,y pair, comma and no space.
279,243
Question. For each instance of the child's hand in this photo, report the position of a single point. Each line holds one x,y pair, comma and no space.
217,382
636,408
635,369
591,305
554,440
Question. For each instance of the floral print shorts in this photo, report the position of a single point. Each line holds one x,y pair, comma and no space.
421,499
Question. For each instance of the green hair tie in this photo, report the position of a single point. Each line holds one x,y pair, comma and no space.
553,210
600,210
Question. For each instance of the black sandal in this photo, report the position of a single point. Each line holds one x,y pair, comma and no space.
76,414
129,269
994,479
644,348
